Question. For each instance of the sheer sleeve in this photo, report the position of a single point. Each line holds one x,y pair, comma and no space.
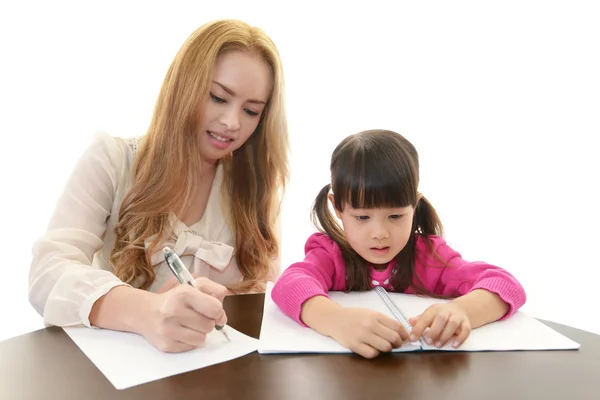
63,284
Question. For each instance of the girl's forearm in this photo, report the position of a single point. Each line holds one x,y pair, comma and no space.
482,307
318,313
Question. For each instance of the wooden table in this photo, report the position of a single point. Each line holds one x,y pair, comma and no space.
46,364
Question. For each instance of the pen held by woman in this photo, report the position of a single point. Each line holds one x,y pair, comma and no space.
184,276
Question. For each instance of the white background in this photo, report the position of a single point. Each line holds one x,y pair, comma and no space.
502,100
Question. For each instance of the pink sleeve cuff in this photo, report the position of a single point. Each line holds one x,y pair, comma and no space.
511,293
291,300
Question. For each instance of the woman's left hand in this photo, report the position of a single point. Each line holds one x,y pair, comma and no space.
445,321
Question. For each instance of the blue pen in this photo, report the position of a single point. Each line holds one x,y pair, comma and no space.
183,276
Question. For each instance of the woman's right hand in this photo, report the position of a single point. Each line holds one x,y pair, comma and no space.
179,319
366,332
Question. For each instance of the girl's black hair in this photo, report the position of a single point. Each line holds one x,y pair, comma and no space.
373,169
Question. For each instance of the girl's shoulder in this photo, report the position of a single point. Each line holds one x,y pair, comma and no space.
431,248
426,241
321,241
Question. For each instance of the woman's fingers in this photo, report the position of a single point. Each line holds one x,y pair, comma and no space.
212,288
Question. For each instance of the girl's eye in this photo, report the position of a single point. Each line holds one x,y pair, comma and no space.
362,217
251,113
217,99
395,216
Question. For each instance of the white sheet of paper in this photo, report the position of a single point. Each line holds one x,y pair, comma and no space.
281,334
127,359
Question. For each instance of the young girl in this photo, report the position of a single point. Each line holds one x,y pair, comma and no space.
206,180
391,237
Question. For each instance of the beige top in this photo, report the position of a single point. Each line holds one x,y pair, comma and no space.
71,268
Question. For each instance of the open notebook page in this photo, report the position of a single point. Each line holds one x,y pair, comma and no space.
281,334
127,359
518,332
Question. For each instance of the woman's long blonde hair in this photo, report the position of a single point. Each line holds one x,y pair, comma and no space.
169,161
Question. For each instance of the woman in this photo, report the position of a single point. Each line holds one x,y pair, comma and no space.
207,180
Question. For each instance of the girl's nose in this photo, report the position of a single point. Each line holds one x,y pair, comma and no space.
380,232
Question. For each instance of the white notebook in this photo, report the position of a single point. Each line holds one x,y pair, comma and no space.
281,334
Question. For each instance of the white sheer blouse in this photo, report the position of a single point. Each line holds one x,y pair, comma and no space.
70,269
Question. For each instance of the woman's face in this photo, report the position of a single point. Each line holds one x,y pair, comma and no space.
239,91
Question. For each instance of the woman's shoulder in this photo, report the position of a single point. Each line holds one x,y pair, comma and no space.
114,145
115,150
106,161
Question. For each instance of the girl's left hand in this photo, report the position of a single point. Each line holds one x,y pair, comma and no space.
445,321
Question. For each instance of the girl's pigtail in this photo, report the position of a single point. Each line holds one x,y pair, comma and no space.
323,220
357,275
427,220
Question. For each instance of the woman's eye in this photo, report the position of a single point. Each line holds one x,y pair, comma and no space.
362,217
251,113
217,99
395,216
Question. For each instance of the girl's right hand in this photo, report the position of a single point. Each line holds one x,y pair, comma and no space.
179,319
367,332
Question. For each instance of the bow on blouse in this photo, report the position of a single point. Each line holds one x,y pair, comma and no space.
214,254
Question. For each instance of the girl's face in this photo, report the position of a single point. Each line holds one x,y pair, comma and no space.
240,88
377,234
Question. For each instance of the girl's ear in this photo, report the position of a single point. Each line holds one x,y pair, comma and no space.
337,212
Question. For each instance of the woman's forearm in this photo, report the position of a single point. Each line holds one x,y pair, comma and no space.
123,308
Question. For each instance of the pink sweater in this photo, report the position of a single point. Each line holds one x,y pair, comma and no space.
323,270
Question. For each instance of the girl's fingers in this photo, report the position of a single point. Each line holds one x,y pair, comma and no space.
378,343
463,333
365,350
449,330
413,320
425,320
436,329
394,329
